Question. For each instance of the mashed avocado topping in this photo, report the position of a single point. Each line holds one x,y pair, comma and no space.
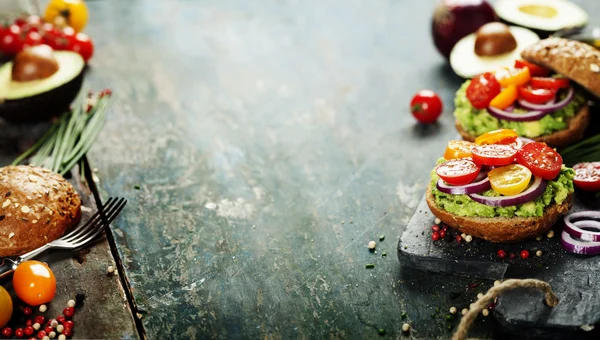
461,205
477,122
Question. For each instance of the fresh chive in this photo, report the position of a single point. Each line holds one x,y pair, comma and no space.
587,150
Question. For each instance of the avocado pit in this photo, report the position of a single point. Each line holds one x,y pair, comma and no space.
494,39
34,63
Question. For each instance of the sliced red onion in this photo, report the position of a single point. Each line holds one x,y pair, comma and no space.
516,117
549,106
510,108
525,140
481,183
577,246
575,228
534,191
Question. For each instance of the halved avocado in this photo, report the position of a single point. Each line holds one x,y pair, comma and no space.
39,100
543,16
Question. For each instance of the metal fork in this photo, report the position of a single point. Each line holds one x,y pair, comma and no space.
78,237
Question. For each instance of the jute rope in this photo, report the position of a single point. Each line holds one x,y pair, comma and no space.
492,293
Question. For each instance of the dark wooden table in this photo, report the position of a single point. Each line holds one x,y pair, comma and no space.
262,145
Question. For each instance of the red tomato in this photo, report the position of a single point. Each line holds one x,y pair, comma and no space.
83,45
536,96
426,106
458,171
34,283
500,136
482,89
550,83
587,176
535,70
540,159
458,149
494,154
20,22
11,42
32,39
51,36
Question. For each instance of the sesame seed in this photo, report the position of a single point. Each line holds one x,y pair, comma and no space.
6,203
43,308
34,221
16,205
463,235
11,235
25,209
33,178
594,68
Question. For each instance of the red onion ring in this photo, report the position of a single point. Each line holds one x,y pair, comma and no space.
535,190
578,246
574,228
516,117
550,106
481,183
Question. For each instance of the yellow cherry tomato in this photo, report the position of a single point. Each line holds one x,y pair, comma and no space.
62,13
34,283
458,149
6,307
509,180
500,136
517,77
505,98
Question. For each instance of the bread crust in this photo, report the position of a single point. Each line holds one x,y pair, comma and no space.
573,59
36,206
501,229
559,139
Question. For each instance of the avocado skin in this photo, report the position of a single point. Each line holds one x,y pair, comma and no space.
43,106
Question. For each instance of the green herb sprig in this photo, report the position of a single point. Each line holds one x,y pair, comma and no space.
71,136
587,150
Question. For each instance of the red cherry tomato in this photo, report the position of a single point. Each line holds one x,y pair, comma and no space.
34,283
482,89
534,70
540,159
550,83
587,176
32,39
494,154
426,106
20,22
11,42
536,95
458,171
83,45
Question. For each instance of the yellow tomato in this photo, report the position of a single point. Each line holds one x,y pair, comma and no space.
510,179
62,13
505,98
502,136
458,149
517,77
6,307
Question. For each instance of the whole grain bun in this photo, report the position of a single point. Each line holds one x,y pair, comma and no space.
573,133
573,59
501,229
36,206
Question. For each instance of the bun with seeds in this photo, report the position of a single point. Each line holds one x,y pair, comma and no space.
37,206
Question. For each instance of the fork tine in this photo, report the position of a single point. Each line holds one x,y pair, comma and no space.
100,225
80,227
93,225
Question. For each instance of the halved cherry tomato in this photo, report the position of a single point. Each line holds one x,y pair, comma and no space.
500,136
534,70
509,180
34,283
550,83
542,160
494,154
458,171
505,98
482,89
517,77
6,307
587,176
458,149
536,96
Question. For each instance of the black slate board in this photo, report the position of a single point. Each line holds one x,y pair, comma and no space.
576,279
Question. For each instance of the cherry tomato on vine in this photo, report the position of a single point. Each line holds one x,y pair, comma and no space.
83,45
541,159
34,283
11,42
426,106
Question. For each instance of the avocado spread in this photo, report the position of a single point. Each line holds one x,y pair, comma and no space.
477,122
461,205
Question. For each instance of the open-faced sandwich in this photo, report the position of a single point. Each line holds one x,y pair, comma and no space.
541,97
502,188
37,206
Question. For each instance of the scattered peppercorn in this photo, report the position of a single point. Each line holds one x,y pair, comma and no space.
458,238
68,312
372,245
501,254
512,255
435,236
19,332
453,310
538,253
27,311
405,327
28,331
437,221
485,312
39,319
524,254
36,326
435,228
7,332
469,238
62,337
539,238
43,308
550,234
71,303
442,233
